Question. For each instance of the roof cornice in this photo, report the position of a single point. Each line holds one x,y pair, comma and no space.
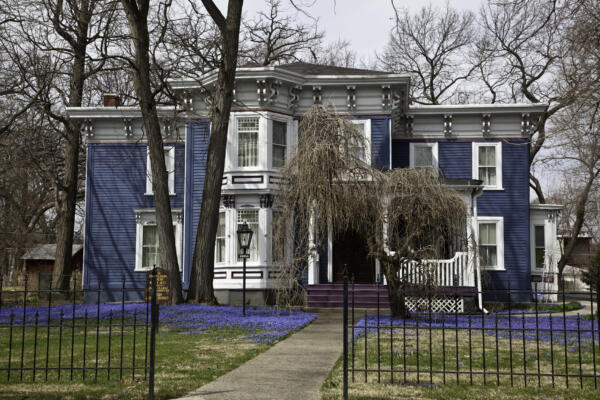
477,108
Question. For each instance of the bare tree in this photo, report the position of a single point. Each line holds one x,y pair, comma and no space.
432,46
526,42
277,37
338,53
60,32
138,12
201,281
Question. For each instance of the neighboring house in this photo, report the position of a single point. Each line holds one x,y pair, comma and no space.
481,150
38,265
582,254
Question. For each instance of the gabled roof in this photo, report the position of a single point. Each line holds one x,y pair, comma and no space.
46,252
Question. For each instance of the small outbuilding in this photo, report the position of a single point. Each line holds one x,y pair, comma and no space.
38,265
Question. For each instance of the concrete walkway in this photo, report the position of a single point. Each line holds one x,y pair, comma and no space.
292,369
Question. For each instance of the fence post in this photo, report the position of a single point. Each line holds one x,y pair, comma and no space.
597,299
345,323
154,324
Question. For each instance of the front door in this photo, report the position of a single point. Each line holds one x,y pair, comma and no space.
351,248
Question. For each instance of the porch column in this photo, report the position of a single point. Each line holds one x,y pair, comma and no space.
313,256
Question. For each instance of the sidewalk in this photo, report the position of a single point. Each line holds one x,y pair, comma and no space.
292,369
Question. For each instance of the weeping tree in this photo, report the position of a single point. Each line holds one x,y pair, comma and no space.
404,215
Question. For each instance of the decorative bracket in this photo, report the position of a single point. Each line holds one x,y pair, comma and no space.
266,200
525,124
87,128
408,124
228,200
167,128
187,99
274,90
317,95
261,90
386,97
351,97
127,128
486,124
294,97
448,124
206,97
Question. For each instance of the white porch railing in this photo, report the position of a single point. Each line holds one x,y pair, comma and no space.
456,271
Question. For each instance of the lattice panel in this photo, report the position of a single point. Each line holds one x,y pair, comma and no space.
438,304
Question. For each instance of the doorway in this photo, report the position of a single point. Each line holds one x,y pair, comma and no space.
351,248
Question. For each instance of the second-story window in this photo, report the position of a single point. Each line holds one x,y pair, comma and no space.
247,135
423,155
279,143
170,166
487,164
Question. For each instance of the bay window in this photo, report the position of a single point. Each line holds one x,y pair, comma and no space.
279,145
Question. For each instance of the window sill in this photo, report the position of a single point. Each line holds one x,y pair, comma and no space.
493,189
152,194
499,269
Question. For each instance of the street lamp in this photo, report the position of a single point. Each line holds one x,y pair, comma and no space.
244,235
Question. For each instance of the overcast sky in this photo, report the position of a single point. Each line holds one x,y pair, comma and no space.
364,23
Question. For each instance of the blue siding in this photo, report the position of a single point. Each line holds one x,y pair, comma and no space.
512,203
197,139
116,182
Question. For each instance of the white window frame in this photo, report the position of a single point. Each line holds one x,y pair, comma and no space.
367,133
535,247
272,141
170,166
147,217
434,153
499,221
475,172
225,237
259,142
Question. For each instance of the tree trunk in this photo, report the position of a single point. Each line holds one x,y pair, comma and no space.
67,194
579,219
138,24
201,281
396,292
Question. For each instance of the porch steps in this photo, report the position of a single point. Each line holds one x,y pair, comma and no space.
331,295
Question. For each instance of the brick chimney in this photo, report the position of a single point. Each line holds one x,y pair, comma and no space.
111,100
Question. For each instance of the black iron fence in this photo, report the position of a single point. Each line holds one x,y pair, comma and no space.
51,335
535,344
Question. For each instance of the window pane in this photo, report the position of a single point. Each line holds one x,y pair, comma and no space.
279,133
150,236
423,156
487,234
278,156
247,142
487,156
360,126
489,256
488,175
221,227
539,236
539,257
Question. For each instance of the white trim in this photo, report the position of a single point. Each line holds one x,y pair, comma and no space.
147,217
390,139
475,163
170,166
367,132
499,221
434,153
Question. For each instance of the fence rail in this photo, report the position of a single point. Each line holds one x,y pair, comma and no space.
49,335
541,346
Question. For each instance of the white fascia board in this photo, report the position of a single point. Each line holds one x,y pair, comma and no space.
477,108
546,207
116,112
292,77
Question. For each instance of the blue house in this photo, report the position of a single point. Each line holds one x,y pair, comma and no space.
481,150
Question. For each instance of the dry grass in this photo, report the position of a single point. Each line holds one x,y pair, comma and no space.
426,386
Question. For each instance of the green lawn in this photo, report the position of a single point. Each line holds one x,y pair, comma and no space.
183,363
443,352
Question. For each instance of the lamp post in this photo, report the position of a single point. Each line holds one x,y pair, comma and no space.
244,235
